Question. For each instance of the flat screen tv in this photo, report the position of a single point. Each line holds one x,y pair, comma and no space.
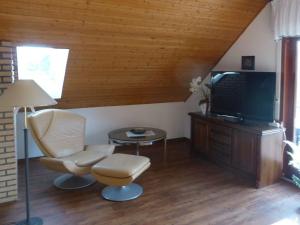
250,95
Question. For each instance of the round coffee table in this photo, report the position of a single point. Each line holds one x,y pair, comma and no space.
120,136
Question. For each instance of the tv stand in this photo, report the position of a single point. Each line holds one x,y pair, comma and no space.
254,151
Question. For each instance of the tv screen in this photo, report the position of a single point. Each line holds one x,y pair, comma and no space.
247,94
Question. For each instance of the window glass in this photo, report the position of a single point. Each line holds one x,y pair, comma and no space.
46,66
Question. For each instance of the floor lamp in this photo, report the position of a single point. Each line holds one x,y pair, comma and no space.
25,94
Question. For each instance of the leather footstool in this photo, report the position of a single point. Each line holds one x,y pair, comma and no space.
119,171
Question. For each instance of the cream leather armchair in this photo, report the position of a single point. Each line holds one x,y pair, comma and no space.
60,136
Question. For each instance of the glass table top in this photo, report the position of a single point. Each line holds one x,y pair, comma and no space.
120,135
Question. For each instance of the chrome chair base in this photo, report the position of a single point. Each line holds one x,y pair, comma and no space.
71,182
32,221
122,193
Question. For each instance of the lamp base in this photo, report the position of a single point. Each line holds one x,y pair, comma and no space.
32,221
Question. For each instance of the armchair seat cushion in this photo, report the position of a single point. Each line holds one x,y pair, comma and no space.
91,155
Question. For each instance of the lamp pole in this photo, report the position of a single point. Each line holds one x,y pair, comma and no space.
28,220
26,166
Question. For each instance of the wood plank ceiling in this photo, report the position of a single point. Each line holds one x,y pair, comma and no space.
129,51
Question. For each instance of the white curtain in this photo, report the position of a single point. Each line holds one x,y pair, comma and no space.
286,15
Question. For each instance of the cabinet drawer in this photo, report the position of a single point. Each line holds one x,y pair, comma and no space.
224,148
221,138
227,131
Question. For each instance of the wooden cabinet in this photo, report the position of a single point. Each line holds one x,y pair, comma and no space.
252,150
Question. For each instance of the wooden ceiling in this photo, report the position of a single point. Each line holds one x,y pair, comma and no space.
129,51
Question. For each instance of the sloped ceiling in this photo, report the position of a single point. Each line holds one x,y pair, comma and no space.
129,51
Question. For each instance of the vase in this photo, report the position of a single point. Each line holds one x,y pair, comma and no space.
203,108
207,108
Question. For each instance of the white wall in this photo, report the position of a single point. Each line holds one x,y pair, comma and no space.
101,120
257,40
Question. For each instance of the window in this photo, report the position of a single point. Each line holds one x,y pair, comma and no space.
297,102
46,66
290,99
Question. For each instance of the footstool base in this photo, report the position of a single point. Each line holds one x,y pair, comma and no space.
122,193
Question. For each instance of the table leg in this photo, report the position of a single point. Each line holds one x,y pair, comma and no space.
137,148
165,149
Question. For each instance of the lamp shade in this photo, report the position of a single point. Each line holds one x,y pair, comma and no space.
25,93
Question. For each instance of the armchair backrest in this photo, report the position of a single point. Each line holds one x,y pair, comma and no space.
58,133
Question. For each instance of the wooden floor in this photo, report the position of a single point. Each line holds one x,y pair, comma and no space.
184,190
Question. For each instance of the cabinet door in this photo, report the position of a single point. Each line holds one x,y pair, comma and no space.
244,151
199,136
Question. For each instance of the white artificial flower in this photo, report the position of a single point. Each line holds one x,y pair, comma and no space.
295,162
195,84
